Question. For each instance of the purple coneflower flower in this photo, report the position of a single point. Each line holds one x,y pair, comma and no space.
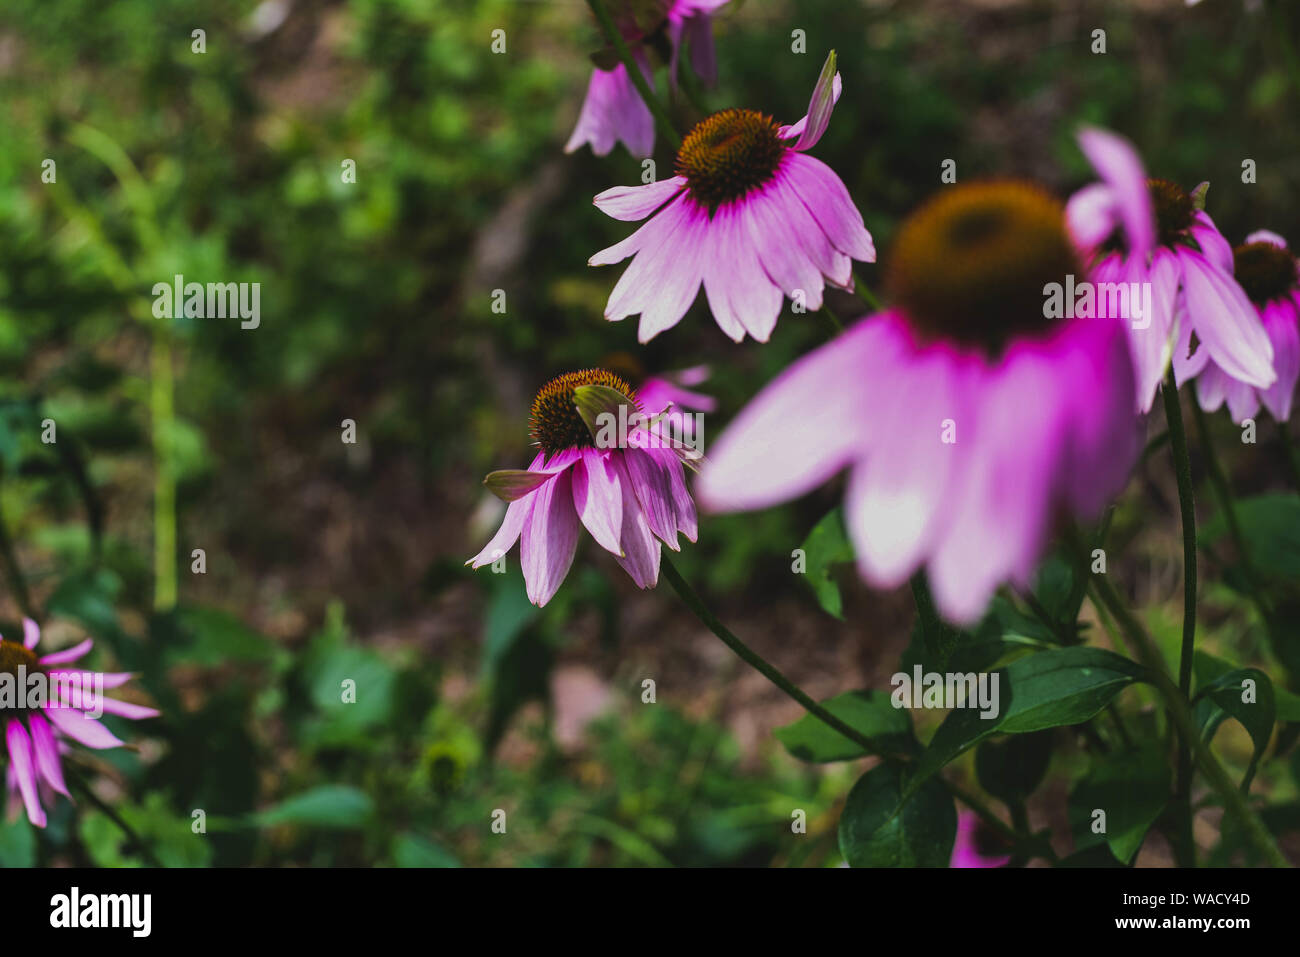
970,420
30,733
613,111
630,496
977,845
1267,271
1153,231
749,214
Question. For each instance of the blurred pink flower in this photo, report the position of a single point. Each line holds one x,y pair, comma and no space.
613,111
629,498
748,214
972,846
1267,271
968,419
1153,231
33,746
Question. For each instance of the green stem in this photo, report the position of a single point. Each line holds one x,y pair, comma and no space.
863,290
1184,845
835,320
1181,716
756,661
615,39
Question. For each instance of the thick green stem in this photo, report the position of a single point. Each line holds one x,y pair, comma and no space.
1180,715
1184,845
615,39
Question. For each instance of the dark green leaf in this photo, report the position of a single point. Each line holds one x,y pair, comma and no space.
1131,788
826,545
876,832
868,712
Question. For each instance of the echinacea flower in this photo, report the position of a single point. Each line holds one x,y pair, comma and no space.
1267,271
977,845
613,111
630,494
749,214
33,731
1152,231
969,418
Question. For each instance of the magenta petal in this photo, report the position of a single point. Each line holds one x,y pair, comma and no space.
806,424
631,203
125,709
598,500
653,488
643,277
783,258
704,57
83,728
1243,402
1211,387
796,129
46,750
549,539
818,116
1120,168
1217,249
1090,215
111,679
20,759
1280,322
1226,322
68,655
724,263
1150,342
31,633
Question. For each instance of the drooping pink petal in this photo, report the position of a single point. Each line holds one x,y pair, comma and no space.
511,525
783,259
828,200
1120,168
640,557
68,655
1212,387
1243,402
31,633
683,504
1225,321
816,245
676,284
1149,340
1090,216
653,488
46,751
1280,322
110,679
82,728
806,424
613,111
125,709
655,260
632,203
704,57
598,499
724,260
549,539
20,759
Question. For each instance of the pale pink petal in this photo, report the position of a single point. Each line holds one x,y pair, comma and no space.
640,547
511,525
704,58
1211,387
69,655
125,709
808,423
678,277
20,759
46,751
1226,322
1120,168
630,203
783,258
31,633
1243,403
613,111
752,298
549,539
1280,322
654,491
1266,236
598,500
1150,342
828,200
797,129
724,260
110,679
1217,249
82,728
1090,216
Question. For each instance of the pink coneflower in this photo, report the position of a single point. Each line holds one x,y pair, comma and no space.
977,845
30,732
1267,271
969,419
613,111
630,498
1153,231
748,214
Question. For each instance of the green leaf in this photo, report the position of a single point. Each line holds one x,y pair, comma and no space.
1131,788
412,850
1270,525
1062,686
511,484
1247,695
1011,769
868,712
827,545
875,831
332,806
595,401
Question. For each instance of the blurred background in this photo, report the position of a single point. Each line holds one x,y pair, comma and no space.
327,560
